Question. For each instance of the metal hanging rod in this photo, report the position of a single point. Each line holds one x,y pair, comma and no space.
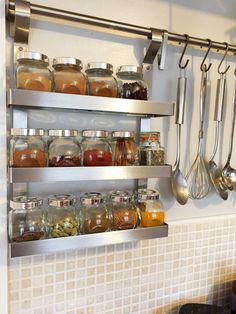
174,38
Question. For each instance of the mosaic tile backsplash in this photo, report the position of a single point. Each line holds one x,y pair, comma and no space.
196,263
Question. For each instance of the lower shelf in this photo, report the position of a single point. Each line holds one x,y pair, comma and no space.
85,241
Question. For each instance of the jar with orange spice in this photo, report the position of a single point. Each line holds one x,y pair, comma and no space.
150,208
32,71
101,82
27,148
68,77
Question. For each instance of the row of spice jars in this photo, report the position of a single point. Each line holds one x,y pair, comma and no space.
62,216
33,73
97,148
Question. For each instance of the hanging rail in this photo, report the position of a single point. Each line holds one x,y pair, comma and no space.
174,38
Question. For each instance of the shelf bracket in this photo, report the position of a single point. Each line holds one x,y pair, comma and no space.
157,47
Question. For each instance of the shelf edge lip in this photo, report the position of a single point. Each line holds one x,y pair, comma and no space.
80,242
58,174
60,101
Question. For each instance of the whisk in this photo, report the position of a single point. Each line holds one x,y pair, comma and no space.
197,177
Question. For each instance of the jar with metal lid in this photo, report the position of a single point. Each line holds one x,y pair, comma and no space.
150,207
94,214
131,83
32,71
26,219
62,217
67,76
96,149
27,148
63,149
124,212
125,148
151,151
101,82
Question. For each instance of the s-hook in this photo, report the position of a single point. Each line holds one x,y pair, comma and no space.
182,55
203,66
225,54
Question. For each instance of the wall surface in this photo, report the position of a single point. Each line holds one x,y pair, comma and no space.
197,261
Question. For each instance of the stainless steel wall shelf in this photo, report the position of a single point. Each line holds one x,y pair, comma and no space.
85,241
46,100
18,175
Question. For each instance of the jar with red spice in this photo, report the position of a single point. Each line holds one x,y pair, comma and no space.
27,148
94,214
68,77
124,212
63,149
101,82
96,148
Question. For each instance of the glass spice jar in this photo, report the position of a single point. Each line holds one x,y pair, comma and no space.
96,149
131,83
124,212
125,148
62,219
32,71
151,151
94,214
150,207
27,148
26,219
63,149
68,77
101,82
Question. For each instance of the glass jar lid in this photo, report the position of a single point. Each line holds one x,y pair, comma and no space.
25,132
31,55
67,61
61,200
121,197
91,66
92,198
123,134
94,133
150,136
24,202
64,133
147,195
132,69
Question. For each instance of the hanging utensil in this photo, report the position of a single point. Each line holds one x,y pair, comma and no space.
229,174
197,177
178,181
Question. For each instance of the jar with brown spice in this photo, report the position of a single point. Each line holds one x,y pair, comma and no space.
62,217
94,214
124,212
151,151
131,83
101,82
32,71
150,207
27,148
63,149
96,149
26,219
68,77
125,148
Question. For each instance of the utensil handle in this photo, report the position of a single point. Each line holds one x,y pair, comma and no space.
233,124
220,94
203,92
181,97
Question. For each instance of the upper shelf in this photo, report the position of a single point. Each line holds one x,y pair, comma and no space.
49,100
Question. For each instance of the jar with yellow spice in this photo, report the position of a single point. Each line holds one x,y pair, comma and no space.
32,71
150,208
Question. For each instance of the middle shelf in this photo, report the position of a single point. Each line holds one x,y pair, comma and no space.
18,175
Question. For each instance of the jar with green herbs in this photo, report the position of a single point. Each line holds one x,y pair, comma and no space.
26,219
94,214
62,218
151,151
